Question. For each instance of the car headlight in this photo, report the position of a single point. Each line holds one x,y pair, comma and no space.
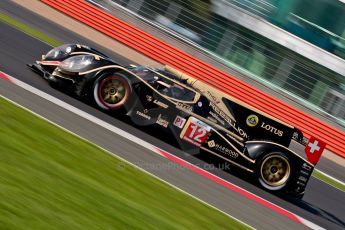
59,52
77,63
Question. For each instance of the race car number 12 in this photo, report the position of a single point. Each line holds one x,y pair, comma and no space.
196,132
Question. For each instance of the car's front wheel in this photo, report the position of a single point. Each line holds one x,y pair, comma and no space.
111,92
274,171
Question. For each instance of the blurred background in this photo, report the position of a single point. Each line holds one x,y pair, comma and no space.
296,46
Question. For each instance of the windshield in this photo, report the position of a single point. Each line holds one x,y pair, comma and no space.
77,63
178,92
165,83
144,73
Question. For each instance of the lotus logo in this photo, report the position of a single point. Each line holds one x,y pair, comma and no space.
211,144
252,120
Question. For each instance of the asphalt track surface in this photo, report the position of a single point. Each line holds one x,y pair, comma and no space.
322,204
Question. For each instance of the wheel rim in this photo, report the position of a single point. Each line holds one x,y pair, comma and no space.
275,170
113,91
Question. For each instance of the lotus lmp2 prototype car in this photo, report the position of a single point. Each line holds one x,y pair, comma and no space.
195,114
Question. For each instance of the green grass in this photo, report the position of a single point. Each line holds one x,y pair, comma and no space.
29,30
50,179
328,180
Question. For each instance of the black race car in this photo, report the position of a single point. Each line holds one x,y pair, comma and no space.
197,115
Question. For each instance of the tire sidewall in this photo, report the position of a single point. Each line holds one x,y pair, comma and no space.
261,180
96,93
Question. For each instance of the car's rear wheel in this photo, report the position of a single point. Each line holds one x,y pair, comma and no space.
274,171
111,92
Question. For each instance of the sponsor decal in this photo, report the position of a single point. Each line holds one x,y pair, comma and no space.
142,114
212,97
215,116
213,145
272,129
179,122
314,149
149,98
241,132
301,183
304,172
305,141
298,189
252,120
302,178
160,104
162,121
306,167
226,118
212,119
220,112
297,136
196,132
182,106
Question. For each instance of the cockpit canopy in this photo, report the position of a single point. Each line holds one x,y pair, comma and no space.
167,84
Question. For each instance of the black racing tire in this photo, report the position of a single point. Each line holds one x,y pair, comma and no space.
274,171
111,92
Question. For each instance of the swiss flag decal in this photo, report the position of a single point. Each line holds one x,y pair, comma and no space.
314,149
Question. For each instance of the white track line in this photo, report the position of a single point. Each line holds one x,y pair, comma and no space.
326,175
133,138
